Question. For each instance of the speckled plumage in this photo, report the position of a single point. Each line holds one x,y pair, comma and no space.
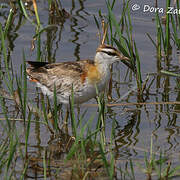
83,75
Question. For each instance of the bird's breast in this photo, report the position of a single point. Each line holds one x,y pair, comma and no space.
95,74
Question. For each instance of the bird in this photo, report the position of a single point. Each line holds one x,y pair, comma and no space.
83,76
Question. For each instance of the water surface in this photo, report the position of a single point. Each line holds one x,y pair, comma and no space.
75,38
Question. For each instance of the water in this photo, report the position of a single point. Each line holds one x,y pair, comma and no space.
76,38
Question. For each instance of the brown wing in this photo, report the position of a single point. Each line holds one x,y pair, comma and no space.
63,75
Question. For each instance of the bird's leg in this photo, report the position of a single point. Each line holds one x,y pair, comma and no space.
65,123
109,93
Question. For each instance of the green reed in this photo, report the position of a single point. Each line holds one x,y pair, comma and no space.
3,153
155,165
39,47
160,37
109,165
127,172
178,16
21,102
159,42
8,22
55,111
101,116
160,167
163,34
38,25
80,140
9,80
21,84
24,171
5,112
126,44
36,13
23,10
138,74
112,154
175,22
170,73
167,32
175,33
50,2
85,137
44,116
9,148
7,77
12,149
112,20
44,165
27,133
172,23
72,114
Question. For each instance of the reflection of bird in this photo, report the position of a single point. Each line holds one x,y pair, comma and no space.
83,75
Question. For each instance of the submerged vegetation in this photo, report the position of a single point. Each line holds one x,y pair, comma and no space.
85,145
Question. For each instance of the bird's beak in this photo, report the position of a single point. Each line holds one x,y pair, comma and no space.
122,57
127,61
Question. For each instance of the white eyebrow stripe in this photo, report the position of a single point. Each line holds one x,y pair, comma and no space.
108,50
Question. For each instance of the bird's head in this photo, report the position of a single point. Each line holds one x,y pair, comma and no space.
108,54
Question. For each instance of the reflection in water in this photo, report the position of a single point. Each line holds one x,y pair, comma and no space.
177,107
11,31
59,145
55,153
57,17
127,135
75,27
54,33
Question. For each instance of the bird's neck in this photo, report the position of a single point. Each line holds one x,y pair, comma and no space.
101,63
103,71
